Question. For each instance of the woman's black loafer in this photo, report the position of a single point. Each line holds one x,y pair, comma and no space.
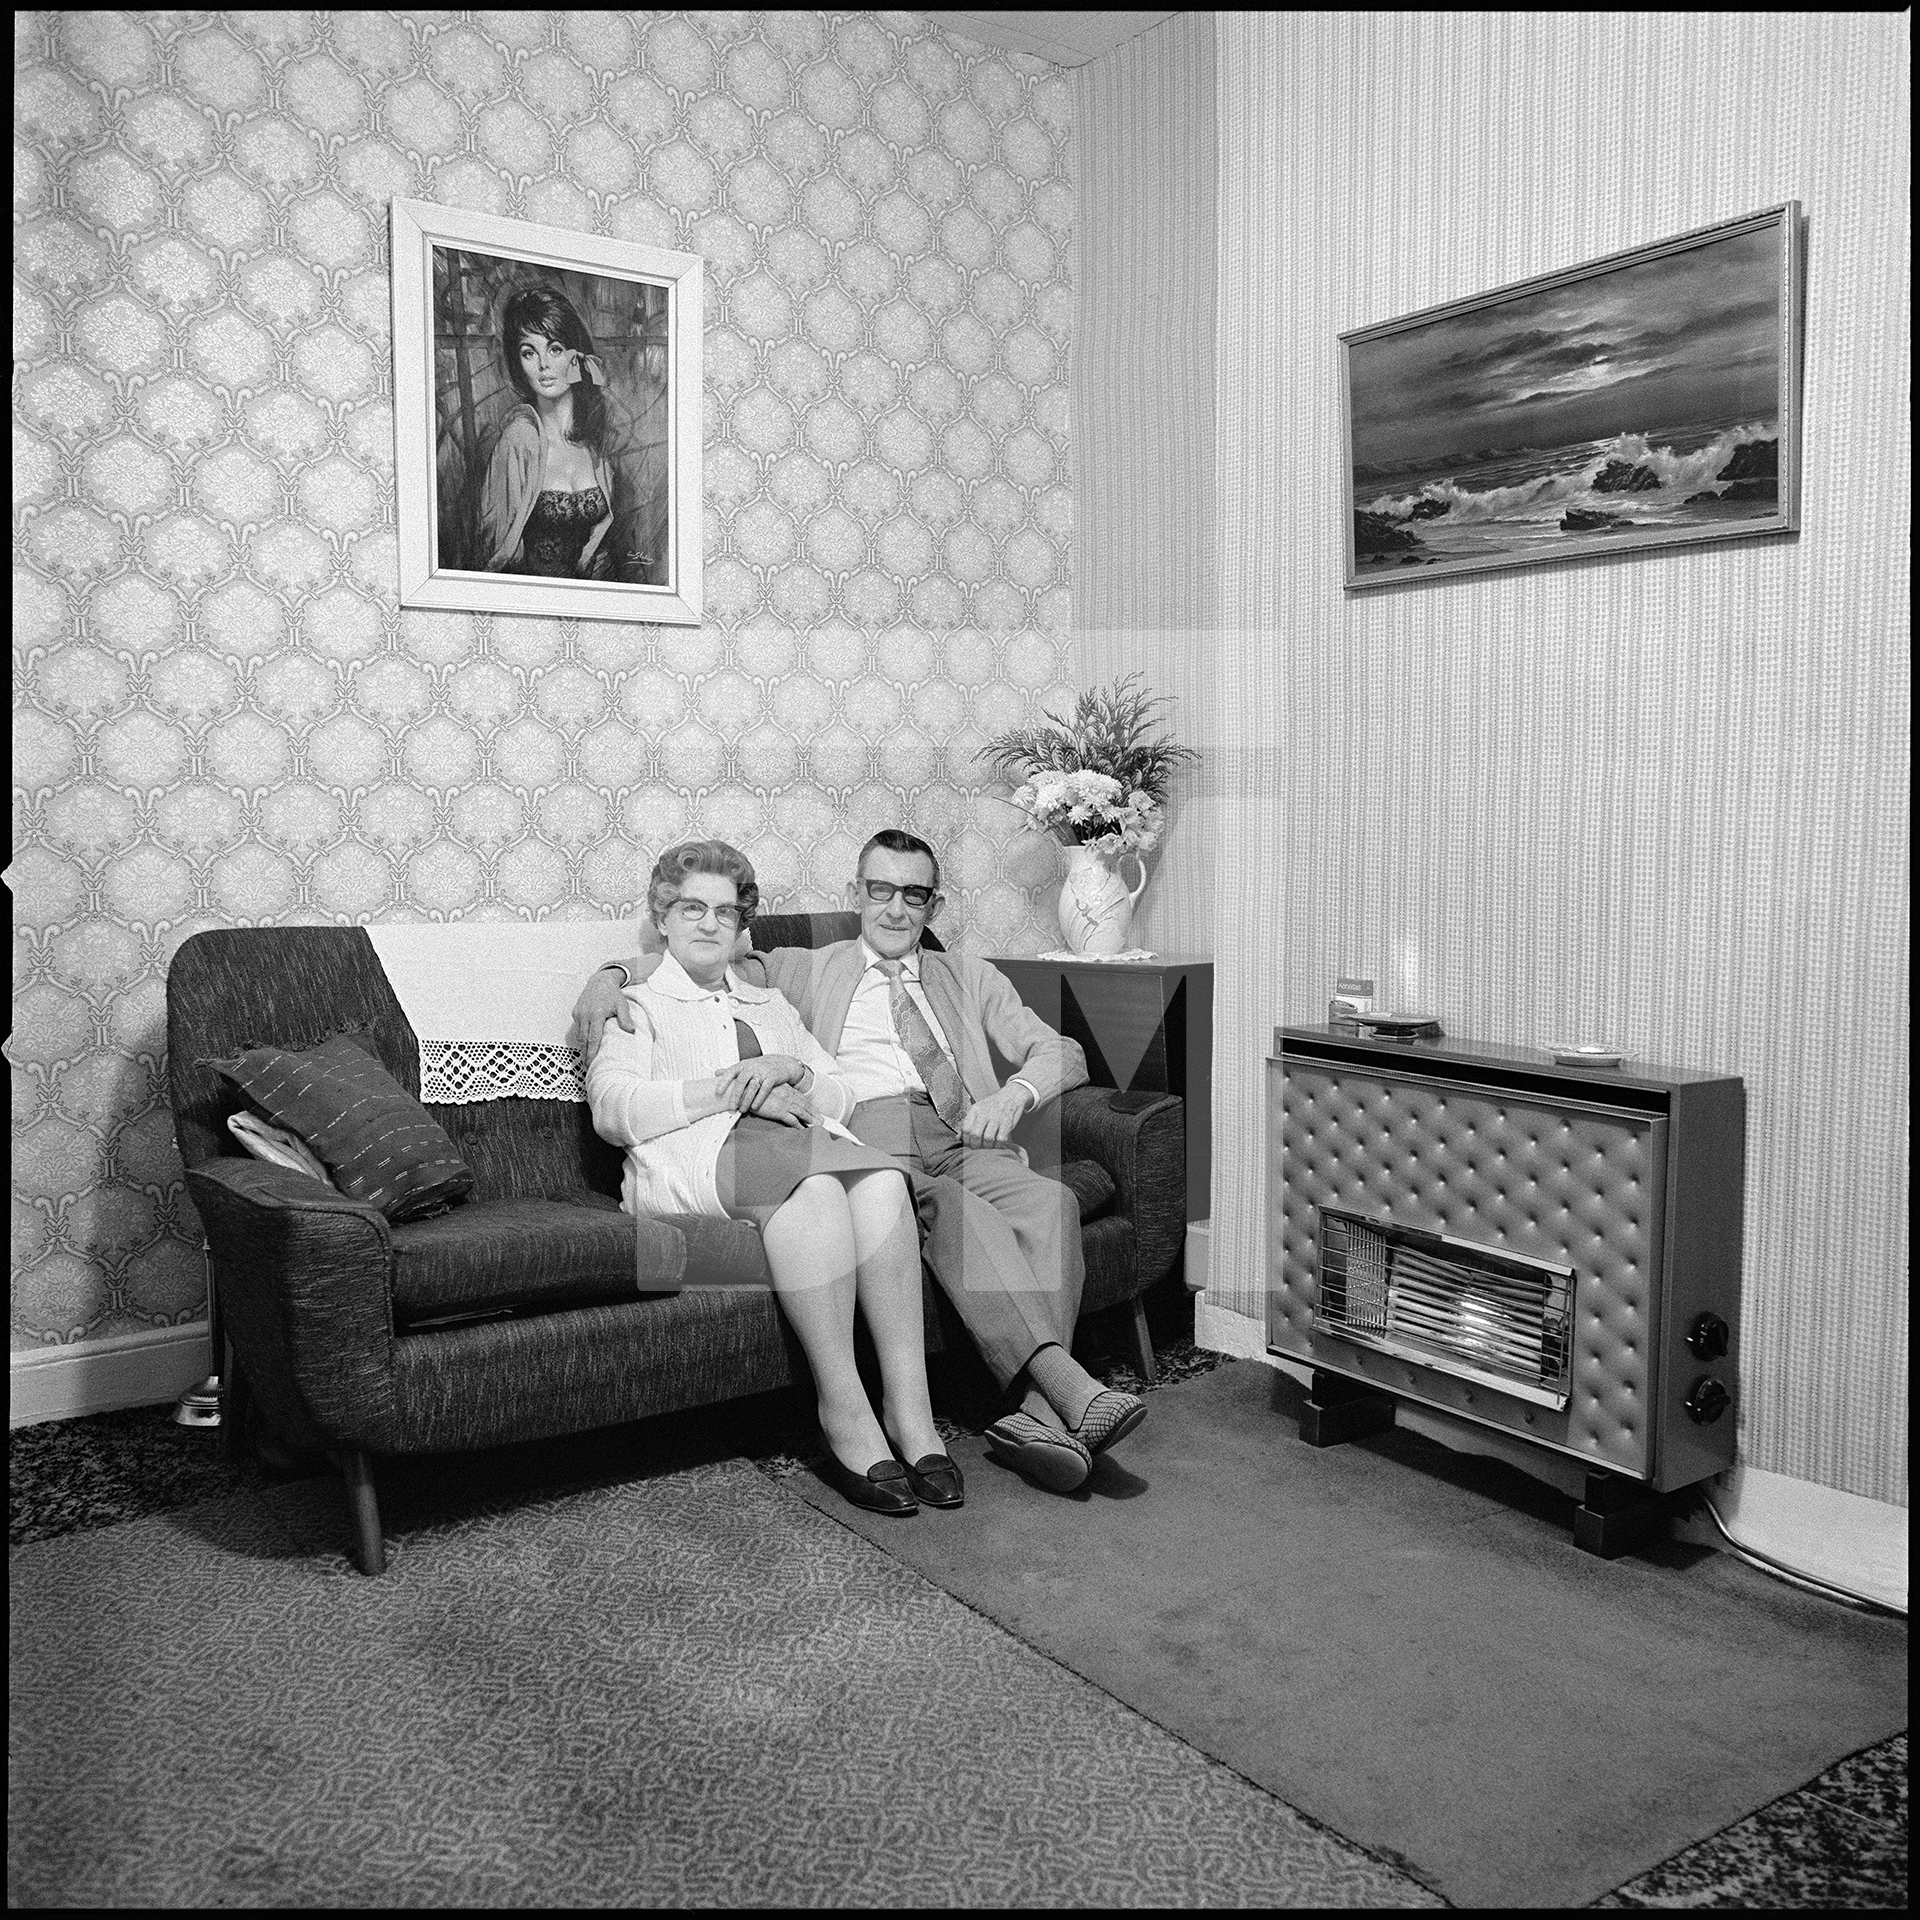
936,1481
885,1487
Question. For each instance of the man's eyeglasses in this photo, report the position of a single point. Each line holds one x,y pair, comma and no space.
691,912
881,891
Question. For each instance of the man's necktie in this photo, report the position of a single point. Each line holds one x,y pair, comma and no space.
939,1075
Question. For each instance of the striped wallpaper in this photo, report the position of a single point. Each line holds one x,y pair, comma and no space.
1659,800
1144,561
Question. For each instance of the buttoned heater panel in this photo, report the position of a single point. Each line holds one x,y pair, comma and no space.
1570,1184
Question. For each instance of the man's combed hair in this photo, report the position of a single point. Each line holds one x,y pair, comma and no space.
899,840
701,856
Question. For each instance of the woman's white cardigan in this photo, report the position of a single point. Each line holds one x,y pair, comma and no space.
684,1031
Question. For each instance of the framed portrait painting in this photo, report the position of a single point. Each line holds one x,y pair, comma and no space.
1647,400
547,419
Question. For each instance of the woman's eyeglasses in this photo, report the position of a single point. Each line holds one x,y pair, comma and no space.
881,891
691,912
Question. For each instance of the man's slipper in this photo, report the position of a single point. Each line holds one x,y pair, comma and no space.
1111,1415
1046,1456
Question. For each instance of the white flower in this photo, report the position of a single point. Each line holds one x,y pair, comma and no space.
1091,808
1097,787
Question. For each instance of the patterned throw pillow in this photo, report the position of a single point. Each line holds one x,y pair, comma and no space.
381,1146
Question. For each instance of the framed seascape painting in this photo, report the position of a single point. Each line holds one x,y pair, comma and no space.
1650,399
546,402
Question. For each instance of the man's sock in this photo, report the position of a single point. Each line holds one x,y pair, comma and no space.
1066,1387
1035,1402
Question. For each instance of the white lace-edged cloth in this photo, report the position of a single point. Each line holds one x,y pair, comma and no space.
491,1001
1106,959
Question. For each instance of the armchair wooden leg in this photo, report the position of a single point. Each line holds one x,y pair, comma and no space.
364,1506
1142,1340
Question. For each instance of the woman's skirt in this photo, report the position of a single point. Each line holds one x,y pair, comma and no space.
763,1161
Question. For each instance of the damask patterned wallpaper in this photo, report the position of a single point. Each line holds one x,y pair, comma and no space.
221,715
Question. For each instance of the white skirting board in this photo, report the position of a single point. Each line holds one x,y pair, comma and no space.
1839,1539
1199,1245
102,1376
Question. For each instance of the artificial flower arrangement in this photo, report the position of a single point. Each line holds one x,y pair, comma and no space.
1097,777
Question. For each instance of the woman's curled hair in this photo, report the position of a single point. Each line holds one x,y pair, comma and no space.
701,856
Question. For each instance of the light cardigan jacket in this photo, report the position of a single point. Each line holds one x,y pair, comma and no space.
975,1002
685,1032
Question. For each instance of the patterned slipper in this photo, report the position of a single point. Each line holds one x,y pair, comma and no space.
1046,1456
1111,1415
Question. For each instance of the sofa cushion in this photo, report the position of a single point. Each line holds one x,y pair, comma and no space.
1090,1184
381,1146
501,1256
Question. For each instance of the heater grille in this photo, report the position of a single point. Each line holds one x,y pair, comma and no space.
1480,1313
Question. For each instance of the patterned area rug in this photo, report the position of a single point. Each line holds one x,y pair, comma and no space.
689,1691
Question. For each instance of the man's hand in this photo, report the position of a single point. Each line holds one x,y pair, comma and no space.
786,1104
601,1000
990,1122
752,1079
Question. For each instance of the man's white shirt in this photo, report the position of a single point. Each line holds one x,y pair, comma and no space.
871,1059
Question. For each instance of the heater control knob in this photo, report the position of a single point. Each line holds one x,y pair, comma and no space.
1708,1337
1708,1401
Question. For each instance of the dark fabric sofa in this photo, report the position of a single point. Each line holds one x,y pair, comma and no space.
536,1307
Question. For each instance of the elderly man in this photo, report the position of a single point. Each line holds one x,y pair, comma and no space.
911,1030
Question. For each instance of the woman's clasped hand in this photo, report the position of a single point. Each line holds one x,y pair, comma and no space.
768,1085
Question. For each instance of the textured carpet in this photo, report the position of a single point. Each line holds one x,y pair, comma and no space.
1403,1642
689,1691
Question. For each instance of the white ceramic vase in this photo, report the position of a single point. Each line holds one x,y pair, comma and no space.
1096,905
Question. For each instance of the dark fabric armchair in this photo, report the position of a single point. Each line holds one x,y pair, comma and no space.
536,1307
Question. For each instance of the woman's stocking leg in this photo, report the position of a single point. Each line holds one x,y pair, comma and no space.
886,1236
810,1248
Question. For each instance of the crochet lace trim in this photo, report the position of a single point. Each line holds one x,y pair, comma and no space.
459,1072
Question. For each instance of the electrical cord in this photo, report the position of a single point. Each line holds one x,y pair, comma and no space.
1806,1581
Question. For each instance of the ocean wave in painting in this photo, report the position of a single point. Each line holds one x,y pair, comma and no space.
1535,500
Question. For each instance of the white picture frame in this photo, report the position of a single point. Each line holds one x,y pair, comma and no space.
480,430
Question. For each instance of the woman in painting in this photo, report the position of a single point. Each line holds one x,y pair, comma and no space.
727,1106
548,498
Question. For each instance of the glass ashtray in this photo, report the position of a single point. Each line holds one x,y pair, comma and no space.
1587,1056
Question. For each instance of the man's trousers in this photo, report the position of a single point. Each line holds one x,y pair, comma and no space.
1003,1242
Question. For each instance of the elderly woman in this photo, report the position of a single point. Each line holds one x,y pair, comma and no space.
727,1105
